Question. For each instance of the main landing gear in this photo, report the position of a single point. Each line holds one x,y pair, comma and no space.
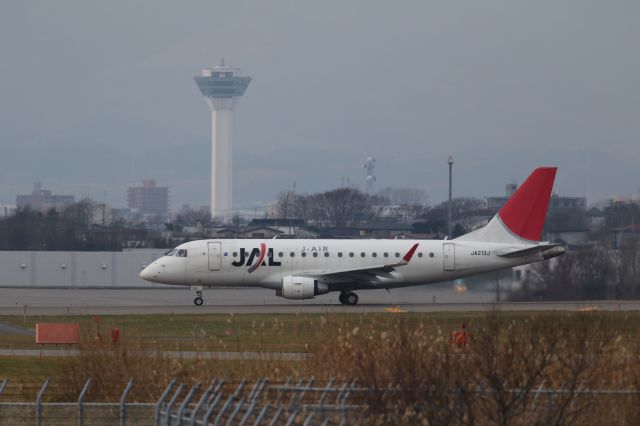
348,298
198,301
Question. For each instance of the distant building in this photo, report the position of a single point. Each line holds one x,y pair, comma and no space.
149,199
369,230
101,214
43,200
556,203
624,235
6,210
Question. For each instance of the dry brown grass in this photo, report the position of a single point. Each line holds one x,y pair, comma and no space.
491,380
152,368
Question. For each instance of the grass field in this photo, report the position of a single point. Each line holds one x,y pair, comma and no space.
593,347
247,332
267,333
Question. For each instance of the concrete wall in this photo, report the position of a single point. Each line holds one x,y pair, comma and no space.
75,269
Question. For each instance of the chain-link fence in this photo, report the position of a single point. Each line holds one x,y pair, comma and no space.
293,402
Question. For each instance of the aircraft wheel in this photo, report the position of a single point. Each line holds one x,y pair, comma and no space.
342,298
351,299
198,301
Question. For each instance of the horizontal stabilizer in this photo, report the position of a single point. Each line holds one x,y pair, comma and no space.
546,250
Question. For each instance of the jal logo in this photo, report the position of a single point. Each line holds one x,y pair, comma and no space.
258,253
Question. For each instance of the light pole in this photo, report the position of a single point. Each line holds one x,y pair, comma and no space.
450,161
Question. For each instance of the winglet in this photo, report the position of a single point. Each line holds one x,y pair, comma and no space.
407,257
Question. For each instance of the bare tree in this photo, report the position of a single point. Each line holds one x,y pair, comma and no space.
190,217
404,196
629,266
434,219
336,208
510,362
589,273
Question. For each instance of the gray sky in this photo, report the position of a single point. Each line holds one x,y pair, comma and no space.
95,96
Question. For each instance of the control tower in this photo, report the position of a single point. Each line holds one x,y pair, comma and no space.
222,87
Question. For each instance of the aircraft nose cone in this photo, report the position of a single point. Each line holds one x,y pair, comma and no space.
146,273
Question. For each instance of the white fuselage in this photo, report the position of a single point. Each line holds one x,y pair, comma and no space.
302,269
210,263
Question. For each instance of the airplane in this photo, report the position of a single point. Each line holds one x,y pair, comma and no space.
305,268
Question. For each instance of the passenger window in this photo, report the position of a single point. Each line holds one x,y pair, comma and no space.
235,254
315,254
397,254
339,254
280,254
292,254
431,254
326,254
351,254
374,254
362,254
386,254
419,254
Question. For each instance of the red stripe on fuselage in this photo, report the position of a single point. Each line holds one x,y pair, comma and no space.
263,252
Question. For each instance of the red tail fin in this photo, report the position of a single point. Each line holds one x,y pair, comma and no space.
525,211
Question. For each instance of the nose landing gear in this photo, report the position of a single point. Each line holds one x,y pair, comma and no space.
198,301
348,298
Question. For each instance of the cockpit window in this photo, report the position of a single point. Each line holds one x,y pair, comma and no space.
171,252
181,253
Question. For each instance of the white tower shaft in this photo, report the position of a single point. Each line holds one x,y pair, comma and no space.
222,86
221,163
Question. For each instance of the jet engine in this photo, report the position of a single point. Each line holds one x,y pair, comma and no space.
301,288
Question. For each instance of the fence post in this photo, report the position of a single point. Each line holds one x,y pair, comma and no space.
205,418
239,389
3,384
292,418
81,400
235,412
186,402
247,414
161,400
122,402
263,413
41,392
218,419
173,401
309,419
275,417
203,398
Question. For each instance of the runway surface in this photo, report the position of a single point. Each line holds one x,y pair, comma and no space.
439,298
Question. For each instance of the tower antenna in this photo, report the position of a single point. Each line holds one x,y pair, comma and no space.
369,165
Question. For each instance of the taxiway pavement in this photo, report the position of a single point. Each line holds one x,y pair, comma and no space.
440,298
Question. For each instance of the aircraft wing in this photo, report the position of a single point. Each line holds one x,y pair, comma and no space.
369,273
